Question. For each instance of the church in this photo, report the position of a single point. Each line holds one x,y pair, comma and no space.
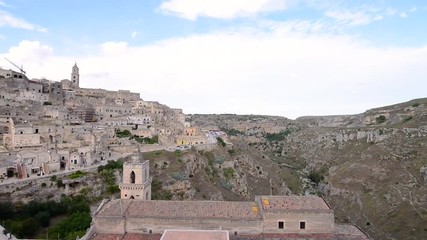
136,216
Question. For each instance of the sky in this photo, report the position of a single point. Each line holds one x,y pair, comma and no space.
287,58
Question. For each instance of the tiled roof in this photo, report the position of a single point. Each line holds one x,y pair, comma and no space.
293,203
136,236
114,208
180,209
106,236
349,230
195,234
341,232
128,236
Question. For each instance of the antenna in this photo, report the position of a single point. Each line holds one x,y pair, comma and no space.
20,68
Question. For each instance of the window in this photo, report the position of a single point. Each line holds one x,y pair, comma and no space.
301,225
281,225
132,177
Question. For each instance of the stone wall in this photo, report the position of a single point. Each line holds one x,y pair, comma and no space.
157,225
315,222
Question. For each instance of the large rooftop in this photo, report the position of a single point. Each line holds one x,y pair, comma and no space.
293,203
181,209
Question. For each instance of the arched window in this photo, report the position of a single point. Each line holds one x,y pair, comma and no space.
132,177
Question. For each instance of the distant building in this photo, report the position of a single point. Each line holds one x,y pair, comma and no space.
75,76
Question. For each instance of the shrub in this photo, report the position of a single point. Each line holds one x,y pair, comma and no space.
59,183
380,119
315,177
228,173
180,176
152,140
220,141
112,165
226,184
158,193
123,134
77,174
278,136
111,189
232,132
409,118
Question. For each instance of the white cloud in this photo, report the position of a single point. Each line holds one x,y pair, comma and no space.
3,4
134,34
390,11
192,9
354,17
277,71
10,21
406,14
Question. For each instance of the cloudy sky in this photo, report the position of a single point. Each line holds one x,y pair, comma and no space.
277,57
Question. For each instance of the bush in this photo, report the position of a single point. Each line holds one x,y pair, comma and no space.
123,134
220,141
380,119
180,176
152,140
226,184
77,174
278,136
112,165
228,173
158,193
59,183
112,189
409,118
315,177
232,132
24,221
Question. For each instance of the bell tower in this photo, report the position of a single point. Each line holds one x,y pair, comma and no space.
136,179
75,76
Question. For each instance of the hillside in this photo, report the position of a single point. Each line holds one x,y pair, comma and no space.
372,167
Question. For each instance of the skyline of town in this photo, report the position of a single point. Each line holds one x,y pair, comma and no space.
270,57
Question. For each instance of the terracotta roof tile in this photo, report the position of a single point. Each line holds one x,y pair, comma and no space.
192,209
293,203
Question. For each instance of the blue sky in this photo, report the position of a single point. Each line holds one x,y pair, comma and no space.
276,57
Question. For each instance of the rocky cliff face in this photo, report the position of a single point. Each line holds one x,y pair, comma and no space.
372,167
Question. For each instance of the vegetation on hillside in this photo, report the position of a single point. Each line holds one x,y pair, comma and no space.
108,176
278,136
35,219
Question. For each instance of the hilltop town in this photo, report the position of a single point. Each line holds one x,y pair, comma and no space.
48,127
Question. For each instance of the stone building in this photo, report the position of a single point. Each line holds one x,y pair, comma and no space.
275,217
75,76
136,180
